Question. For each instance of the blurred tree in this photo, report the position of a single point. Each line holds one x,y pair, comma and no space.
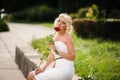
17,5
108,6
93,12
67,6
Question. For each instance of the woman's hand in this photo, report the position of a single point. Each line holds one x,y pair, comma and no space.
52,47
38,70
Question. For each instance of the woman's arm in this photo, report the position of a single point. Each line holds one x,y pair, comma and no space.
71,51
50,59
48,62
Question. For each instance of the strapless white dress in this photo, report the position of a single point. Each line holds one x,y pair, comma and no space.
63,70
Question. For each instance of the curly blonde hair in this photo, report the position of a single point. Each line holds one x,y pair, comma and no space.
68,20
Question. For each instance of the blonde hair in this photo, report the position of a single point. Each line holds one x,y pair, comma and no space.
68,20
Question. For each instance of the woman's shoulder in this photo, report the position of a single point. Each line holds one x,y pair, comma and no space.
68,37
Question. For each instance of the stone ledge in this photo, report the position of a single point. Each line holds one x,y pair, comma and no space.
28,59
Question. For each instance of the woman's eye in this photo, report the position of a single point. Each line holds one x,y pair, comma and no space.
58,20
63,23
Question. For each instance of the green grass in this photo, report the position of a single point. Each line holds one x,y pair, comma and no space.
97,58
47,24
38,45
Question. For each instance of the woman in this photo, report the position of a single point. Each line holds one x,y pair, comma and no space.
63,44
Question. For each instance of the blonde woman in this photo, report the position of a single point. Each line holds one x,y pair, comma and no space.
63,44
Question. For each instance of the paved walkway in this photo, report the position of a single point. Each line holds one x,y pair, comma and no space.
19,33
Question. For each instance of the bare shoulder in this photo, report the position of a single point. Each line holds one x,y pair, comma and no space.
68,38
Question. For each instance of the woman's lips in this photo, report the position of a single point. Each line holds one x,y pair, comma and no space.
56,28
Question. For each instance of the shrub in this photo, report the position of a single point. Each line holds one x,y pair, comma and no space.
114,14
83,27
82,13
3,26
91,12
7,17
92,28
95,59
41,13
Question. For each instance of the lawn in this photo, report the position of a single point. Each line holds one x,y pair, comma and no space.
96,59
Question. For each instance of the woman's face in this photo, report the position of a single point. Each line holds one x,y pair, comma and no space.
61,23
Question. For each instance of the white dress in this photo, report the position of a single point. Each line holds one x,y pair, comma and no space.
63,70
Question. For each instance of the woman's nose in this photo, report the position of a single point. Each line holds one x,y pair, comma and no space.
59,24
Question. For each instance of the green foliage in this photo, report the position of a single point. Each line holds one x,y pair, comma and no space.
102,14
8,17
38,45
91,12
67,6
50,40
41,46
3,26
41,13
82,13
95,59
97,28
50,25
114,14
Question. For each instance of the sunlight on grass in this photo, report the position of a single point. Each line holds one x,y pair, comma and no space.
47,24
95,58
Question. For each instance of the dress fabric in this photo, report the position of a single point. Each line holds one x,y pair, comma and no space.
63,70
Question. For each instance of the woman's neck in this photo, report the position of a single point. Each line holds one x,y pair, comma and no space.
61,32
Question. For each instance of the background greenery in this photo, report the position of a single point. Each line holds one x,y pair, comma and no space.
104,8
106,29
41,13
3,26
96,59
69,6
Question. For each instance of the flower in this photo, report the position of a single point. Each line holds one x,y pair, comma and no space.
50,38
51,41
57,28
41,61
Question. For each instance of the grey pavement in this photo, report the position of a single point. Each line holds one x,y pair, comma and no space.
18,34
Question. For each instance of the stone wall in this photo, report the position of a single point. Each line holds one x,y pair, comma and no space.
26,58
